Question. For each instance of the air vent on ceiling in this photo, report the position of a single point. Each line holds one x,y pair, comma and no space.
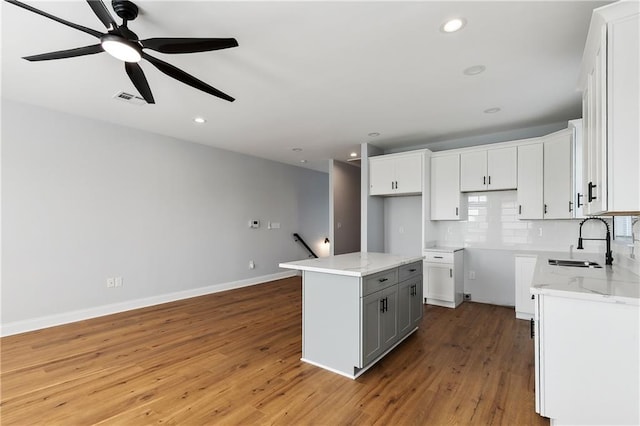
129,98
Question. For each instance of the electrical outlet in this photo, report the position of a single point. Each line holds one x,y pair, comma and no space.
252,265
118,281
111,282
472,275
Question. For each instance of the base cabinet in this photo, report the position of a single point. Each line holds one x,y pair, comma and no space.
587,364
525,268
351,322
379,322
443,278
409,304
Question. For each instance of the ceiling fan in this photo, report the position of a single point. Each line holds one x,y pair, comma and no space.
122,43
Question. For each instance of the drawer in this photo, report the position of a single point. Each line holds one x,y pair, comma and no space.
410,270
375,282
438,257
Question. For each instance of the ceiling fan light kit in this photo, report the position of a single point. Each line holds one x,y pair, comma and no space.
121,48
123,44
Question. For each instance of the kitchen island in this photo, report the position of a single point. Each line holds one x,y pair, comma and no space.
357,307
587,341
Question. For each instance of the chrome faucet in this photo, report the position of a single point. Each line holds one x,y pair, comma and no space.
608,255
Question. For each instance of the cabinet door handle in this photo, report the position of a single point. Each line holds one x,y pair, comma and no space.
412,270
545,209
381,305
489,180
437,257
450,273
533,328
484,180
396,184
570,206
386,305
579,197
590,195
520,209
381,280
456,211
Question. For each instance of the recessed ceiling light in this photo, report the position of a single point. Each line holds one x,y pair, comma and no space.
296,149
353,154
492,110
303,161
474,70
374,134
199,120
453,25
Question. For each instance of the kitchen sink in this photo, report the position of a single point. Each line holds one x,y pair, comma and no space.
574,263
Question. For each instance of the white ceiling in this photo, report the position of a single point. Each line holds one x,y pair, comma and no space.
319,76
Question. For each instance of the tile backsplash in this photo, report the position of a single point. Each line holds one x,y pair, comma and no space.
493,223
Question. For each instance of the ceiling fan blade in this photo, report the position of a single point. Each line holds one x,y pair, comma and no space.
70,53
55,18
139,80
188,45
182,76
103,14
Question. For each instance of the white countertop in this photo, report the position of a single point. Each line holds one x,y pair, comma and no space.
607,284
352,264
442,249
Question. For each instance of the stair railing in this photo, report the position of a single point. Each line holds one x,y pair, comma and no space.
299,239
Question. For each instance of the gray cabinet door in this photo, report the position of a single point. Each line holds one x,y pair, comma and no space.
416,302
404,307
409,305
372,306
389,318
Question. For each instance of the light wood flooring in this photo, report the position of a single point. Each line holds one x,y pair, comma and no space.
234,358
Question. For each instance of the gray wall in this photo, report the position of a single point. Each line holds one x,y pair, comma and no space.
345,187
83,200
372,219
403,225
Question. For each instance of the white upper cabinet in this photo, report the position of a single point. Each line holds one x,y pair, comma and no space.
577,163
395,174
558,175
545,178
446,199
473,167
530,181
488,170
611,107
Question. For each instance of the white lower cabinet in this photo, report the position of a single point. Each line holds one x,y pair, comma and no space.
443,277
587,364
525,267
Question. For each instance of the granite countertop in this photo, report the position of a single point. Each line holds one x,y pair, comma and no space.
352,264
611,283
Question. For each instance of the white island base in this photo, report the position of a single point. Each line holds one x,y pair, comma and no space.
357,307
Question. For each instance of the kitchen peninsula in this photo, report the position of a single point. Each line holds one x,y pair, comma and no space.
357,307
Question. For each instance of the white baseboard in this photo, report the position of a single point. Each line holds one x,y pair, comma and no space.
98,311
